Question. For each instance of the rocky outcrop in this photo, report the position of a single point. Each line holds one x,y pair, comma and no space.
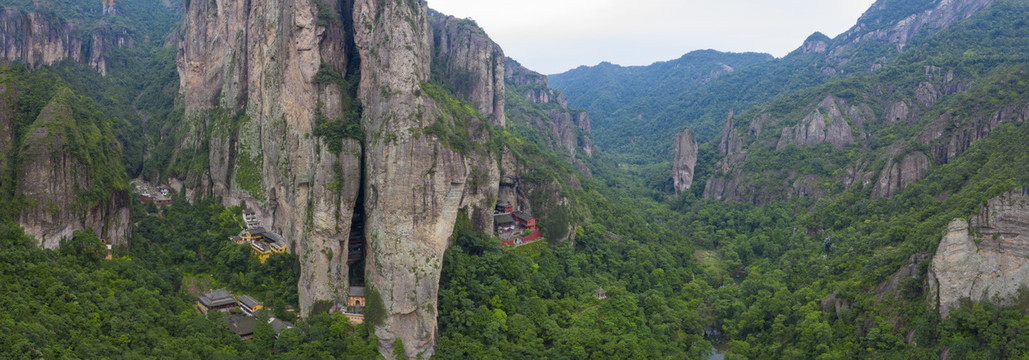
731,141
816,43
825,124
471,63
415,185
7,115
70,178
37,40
877,23
565,128
248,73
685,160
898,174
245,70
987,261
109,8
951,135
540,198
730,187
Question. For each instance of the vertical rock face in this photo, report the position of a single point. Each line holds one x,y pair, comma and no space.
898,175
685,160
950,135
877,24
37,40
246,70
824,124
415,185
582,121
7,111
68,176
566,128
109,8
471,63
996,267
731,142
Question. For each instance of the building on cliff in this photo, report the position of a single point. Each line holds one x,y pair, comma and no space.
514,227
250,218
354,311
264,243
504,208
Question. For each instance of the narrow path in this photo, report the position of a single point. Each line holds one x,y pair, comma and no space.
579,315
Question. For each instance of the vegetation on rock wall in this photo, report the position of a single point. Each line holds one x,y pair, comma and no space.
333,131
649,274
74,125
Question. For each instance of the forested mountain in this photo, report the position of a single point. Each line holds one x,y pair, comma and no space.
863,197
638,134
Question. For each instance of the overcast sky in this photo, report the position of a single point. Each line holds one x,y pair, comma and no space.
552,36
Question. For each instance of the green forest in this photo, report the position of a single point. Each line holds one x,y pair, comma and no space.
648,274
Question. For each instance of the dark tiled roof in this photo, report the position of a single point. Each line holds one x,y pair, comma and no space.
503,219
521,215
279,325
260,245
272,236
249,301
220,297
357,291
243,325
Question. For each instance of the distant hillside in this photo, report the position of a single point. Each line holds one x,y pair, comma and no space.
618,96
634,135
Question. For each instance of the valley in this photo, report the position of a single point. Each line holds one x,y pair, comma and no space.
370,178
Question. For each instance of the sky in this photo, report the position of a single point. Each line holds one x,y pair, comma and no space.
553,36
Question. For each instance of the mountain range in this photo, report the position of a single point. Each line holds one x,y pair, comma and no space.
863,196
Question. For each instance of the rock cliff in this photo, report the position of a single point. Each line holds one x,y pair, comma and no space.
898,174
70,178
38,40
685,160
415,184
988,260
881,23
246,70
825,124
923,106
731,142
262,79
565,128
470,63
7,115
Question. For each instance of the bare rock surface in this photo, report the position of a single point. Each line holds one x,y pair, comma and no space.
472,63
898,175
731,141
825,124
566,128
36,39
988,260
685,160
52,176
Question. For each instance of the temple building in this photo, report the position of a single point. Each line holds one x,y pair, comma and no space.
219,299
356,302
249,305
264,243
